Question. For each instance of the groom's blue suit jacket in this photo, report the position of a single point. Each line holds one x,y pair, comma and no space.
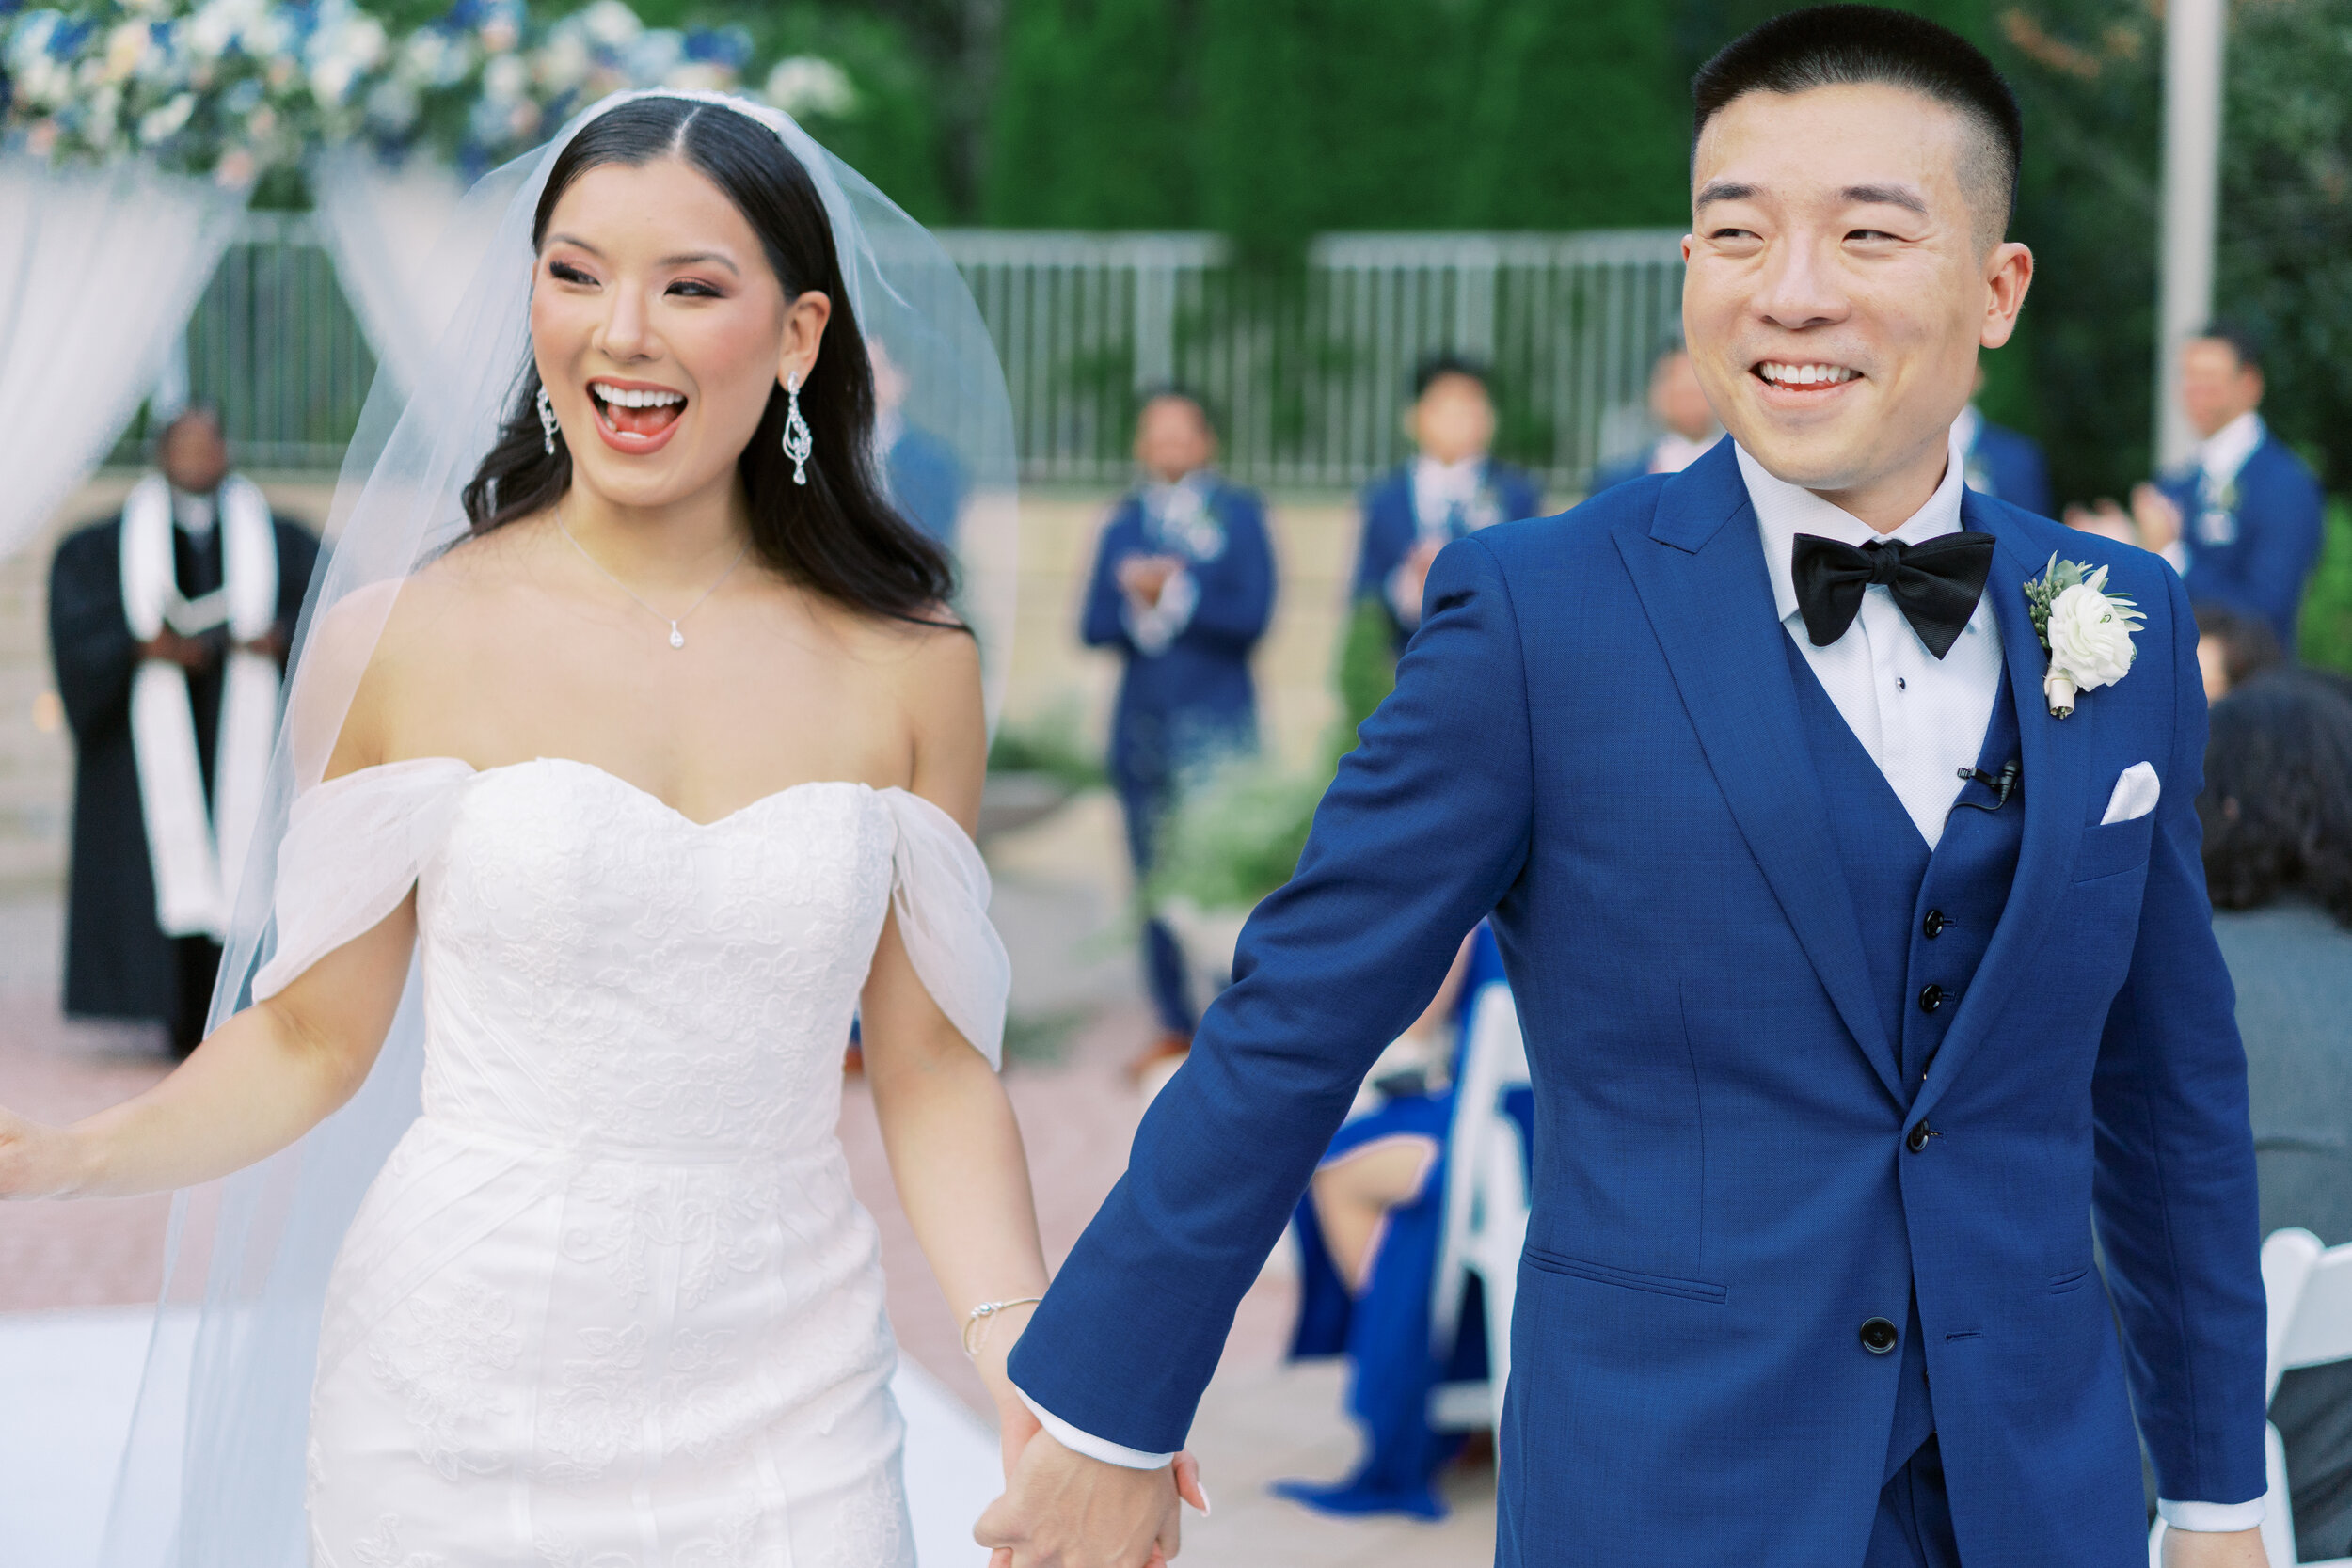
1596,734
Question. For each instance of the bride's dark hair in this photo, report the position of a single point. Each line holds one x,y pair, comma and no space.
838,533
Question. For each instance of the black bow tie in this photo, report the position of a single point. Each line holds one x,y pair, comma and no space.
1935,583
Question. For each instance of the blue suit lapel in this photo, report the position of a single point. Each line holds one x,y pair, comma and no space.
2056,779
1698,568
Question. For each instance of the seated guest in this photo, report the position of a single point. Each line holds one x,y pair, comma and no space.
2242,522
2277,811
1369,1237
2233,649
1686,424
2000,462
1182,589
1452,487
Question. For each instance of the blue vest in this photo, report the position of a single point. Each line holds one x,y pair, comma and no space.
1926,918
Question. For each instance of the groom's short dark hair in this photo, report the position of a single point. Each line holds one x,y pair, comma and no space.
1828,46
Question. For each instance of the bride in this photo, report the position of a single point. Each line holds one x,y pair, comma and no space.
662,764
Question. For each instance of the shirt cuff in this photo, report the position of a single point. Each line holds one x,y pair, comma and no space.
2207,1518
1108,1452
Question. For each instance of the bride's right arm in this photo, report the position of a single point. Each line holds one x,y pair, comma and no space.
282,1065
259,1081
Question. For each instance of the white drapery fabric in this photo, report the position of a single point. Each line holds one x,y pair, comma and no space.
395,235
100,270
195,854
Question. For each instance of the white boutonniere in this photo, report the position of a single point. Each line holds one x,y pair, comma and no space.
2086,630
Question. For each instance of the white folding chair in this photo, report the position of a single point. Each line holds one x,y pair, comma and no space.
1485,1208
2310,1294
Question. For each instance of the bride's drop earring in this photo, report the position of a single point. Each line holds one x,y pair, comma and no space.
798,442
548,427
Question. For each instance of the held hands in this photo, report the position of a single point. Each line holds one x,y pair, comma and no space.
192,654
2158,517
1144,578
1063,1510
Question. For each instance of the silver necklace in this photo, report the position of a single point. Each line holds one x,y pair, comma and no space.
677,638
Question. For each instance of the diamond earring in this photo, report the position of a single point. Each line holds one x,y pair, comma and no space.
548,427
798,442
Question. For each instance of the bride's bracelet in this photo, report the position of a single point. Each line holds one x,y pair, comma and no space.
976,1323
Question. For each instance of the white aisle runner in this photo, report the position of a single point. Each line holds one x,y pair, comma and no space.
67,1380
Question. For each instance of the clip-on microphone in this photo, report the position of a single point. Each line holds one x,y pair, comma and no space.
1999,786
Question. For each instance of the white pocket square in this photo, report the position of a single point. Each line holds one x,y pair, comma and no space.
2134,793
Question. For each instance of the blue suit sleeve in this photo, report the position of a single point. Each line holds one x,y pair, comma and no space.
1377,552
2288,517
1421,834
1237,588
2174,1188
1102,626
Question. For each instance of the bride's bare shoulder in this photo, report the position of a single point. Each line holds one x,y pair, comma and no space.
390,639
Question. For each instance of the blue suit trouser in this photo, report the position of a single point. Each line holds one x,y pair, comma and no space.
1914,1529
1164,974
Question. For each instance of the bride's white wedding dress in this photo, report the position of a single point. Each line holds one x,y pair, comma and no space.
611,1303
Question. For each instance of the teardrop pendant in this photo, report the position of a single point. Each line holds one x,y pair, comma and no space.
677,638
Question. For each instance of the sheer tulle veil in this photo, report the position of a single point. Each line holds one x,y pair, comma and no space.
213,1474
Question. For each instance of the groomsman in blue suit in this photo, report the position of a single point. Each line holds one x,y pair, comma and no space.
2002,463
1843,853
1686,425
1182,589
1452,487
2244,519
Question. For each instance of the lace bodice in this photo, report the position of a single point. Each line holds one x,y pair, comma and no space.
600,971
611,1295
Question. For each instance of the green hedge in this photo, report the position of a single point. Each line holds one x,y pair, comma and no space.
2326,628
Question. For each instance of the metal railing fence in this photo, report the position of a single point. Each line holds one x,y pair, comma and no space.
1306,369
275,347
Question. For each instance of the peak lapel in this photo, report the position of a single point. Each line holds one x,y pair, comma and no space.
2056,779
1698,567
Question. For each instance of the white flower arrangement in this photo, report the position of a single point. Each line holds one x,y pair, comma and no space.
235,87
2086,630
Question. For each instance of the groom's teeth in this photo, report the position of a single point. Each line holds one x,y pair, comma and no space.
630,398
1805,375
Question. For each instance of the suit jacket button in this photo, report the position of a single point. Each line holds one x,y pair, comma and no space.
1879,1337
1916,1141
1934,925
1930,998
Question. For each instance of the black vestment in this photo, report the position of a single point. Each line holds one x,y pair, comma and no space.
119,963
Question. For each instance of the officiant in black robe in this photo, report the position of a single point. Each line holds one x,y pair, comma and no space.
120,961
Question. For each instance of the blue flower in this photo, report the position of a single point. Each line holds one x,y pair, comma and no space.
728,46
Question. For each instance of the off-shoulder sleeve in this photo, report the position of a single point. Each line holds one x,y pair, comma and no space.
352,850
939,889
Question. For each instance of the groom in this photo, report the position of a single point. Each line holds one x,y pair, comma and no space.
1857,986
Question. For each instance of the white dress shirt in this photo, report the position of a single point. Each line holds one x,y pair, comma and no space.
1921,718
1676,451
193,514
2219,457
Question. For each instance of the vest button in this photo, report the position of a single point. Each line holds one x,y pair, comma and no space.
1930,998
1934,925
1879,1337
1916,1140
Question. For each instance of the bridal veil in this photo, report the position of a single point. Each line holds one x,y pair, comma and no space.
213,1474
